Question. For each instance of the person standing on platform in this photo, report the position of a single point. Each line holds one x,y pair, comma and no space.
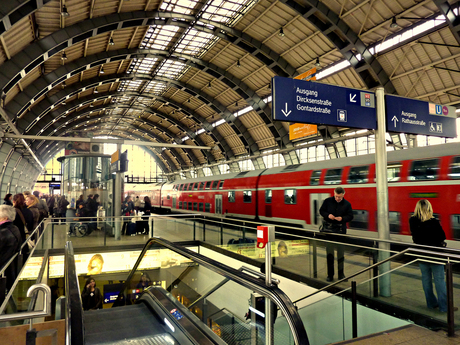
137,204
127,209
31,202
426,230
91,296
10,242
7,200
336,212
145,217
42,206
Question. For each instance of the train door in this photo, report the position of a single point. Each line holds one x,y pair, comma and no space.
218,204
174,202
316,200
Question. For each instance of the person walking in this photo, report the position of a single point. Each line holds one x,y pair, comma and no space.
137,204
336,212
10,242
427,230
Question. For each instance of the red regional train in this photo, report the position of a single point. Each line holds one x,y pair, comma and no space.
293,194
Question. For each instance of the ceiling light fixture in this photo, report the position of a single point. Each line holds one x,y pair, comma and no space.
95,91
236,103
111,42
64,56
102,70
209,85
64,12
238,64
393,24
317,63
281,33
64,85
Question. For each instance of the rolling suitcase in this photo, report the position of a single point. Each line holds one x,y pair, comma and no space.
131,229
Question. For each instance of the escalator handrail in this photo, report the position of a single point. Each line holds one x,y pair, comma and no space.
75,333
273,292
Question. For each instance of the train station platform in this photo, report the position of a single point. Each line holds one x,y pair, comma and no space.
299,265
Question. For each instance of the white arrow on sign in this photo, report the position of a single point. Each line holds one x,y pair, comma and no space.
394,119
286,113
352,98
106,300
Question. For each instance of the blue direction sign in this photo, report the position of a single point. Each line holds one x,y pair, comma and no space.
310,102
413,116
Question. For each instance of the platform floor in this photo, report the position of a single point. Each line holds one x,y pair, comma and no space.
407,335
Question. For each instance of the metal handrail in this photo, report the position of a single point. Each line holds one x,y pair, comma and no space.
32,314
223,282
404,252
75,332
273,292
2,270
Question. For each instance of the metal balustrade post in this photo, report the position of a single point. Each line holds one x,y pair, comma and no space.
375,272
354,310
194,230
450,301
221,233
315,260
52,235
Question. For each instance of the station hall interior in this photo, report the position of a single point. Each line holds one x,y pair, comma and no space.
185,87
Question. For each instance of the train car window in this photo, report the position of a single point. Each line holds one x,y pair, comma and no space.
195,206
231,196
221,184
190,186
424,170
201,208
333,176
360,220
180,204
181,187
455,222
314,179
290,196
215,184
454,168
201,186
184,205
247,196
168,197
268,196
207,207
358,174
208,185
393,172
195,186
394,218
189,205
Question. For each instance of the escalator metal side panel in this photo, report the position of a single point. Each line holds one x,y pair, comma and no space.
156,297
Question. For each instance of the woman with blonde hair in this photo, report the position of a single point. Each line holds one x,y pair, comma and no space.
426,230
31,202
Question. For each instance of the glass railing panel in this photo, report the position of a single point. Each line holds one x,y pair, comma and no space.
398,287
34,270
177,228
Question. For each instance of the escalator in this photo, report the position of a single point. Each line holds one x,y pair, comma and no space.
195,300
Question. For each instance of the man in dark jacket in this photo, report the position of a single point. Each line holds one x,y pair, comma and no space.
337,212
10,242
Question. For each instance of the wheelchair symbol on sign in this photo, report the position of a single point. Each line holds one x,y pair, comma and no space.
432,129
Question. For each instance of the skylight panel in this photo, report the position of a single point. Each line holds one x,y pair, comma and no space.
179,6
172,69
155,88
145,65
194,42
160,37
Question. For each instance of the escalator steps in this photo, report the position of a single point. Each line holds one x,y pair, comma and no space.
117,325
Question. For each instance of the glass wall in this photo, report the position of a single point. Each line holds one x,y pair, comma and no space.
84,175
